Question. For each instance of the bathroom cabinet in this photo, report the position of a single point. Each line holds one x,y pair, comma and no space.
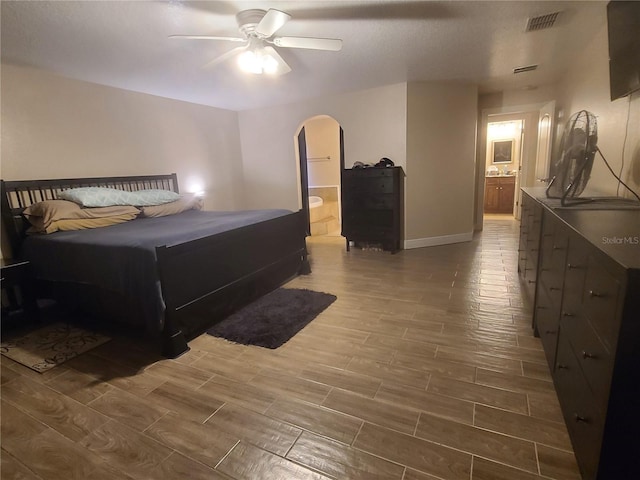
373,207
587,314
498,194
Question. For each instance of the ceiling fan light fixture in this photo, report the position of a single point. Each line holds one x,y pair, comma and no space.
269,64
249,62
259,54
257,61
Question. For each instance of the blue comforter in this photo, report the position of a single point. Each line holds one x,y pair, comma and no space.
121,258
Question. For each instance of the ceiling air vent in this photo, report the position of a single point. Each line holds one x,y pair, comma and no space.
542,21
528,68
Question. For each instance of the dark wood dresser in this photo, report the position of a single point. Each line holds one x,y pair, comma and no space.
529,248
373,207
587,314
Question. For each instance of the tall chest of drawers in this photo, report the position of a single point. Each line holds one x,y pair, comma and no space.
587,313
373,206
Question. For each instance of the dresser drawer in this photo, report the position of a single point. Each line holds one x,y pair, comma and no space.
546,322
551,281
531,268
595,360
361,217
368,181
379,201
600,299
574,275
555,240
579,408
373,186
368,172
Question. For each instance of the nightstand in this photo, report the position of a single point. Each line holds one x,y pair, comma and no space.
17,292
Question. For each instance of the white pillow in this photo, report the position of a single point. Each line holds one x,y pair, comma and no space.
188,201
106,197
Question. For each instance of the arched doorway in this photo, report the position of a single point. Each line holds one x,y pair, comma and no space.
320,148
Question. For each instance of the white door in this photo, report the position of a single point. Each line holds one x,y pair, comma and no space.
517,198
545,139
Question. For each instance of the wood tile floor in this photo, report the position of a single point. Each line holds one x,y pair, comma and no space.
424,368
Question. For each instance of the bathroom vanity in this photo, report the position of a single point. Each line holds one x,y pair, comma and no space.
499,191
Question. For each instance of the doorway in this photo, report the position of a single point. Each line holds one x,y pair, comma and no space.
538,123
503,164
321,155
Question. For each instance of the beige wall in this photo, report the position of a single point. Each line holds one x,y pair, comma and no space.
587,87
58,127
374,124
435,122
441,139
55,127
323,140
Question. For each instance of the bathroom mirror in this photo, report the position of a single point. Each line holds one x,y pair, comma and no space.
502,151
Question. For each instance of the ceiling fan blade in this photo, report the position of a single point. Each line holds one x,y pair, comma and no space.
225,56
272,21
332,44
209,37
283,67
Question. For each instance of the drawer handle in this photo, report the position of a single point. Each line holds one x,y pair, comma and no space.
561,366
540,307
580,418
557,248
586,355
550,332
554,288
567,314
572,266
530,281
595,294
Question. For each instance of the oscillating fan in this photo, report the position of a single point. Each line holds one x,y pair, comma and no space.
577,151
257,53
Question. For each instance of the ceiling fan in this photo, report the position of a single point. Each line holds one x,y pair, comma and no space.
257,53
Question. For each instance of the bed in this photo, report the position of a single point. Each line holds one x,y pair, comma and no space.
170,277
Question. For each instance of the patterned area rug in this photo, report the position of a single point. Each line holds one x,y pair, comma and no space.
273,319
52,345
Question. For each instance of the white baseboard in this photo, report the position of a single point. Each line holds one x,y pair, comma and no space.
434,241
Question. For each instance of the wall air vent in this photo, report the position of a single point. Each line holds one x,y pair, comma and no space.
542,21
528,68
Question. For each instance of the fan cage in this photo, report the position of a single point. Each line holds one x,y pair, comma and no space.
577,152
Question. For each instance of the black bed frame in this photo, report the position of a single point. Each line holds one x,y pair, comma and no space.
202,281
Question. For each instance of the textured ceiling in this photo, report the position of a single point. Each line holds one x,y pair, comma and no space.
124,44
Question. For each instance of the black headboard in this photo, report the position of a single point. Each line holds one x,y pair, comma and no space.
16,195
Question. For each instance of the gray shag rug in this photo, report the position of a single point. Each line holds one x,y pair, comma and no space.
274,318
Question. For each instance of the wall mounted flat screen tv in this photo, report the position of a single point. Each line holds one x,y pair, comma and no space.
623,18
